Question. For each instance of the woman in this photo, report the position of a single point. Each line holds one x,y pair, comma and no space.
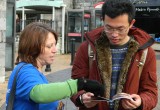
37,48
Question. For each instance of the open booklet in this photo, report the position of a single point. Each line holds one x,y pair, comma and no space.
115,97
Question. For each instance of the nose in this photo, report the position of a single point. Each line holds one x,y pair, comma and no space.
114,34
54,49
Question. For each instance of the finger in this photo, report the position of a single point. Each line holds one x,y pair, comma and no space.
128,105
131,104
90,94
90,104
124,104
136,100
86,97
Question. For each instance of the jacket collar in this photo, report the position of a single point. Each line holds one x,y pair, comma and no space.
139,35
104,59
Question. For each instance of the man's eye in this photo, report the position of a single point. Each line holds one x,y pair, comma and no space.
109,28
121,29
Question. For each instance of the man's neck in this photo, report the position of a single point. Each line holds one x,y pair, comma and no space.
120,46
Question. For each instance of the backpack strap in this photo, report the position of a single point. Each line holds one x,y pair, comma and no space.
144,54
90,55
142,61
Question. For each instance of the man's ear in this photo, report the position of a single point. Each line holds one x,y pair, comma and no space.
132,22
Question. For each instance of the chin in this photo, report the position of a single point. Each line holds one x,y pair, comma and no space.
50,62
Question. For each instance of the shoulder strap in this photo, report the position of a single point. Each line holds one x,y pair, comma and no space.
90,54
142,61
13,90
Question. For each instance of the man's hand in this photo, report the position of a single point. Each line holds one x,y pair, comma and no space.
132,104
86,98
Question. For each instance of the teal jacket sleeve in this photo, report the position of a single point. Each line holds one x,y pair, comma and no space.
45,93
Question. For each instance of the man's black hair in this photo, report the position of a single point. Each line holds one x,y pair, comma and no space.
114,8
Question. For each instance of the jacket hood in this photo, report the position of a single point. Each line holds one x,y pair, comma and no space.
138,34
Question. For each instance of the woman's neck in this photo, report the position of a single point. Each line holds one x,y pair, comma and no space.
39,65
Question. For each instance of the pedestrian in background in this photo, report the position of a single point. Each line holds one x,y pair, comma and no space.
116,61
37,48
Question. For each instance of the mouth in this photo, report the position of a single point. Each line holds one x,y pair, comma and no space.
114,40
52,57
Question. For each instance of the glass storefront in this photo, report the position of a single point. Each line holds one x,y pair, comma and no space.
10,32
148,19
98,19
78,22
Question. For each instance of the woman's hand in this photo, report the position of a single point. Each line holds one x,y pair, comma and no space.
86,98
132,104
92,86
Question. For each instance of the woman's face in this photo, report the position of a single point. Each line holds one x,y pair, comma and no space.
48,54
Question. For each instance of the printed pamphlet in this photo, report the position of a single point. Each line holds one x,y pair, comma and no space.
115,97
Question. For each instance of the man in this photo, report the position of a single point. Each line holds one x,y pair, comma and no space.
118,48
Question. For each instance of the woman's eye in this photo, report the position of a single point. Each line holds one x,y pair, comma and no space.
48,46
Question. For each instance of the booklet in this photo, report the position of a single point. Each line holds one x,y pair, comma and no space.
115,97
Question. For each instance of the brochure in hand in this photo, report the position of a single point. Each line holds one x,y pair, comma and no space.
115,97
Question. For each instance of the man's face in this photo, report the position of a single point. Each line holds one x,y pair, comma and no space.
117,29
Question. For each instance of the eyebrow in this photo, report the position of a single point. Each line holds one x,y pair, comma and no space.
114,27
49,44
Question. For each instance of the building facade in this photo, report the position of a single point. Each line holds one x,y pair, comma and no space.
2,39
148,16
7,34
69,18
52,12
